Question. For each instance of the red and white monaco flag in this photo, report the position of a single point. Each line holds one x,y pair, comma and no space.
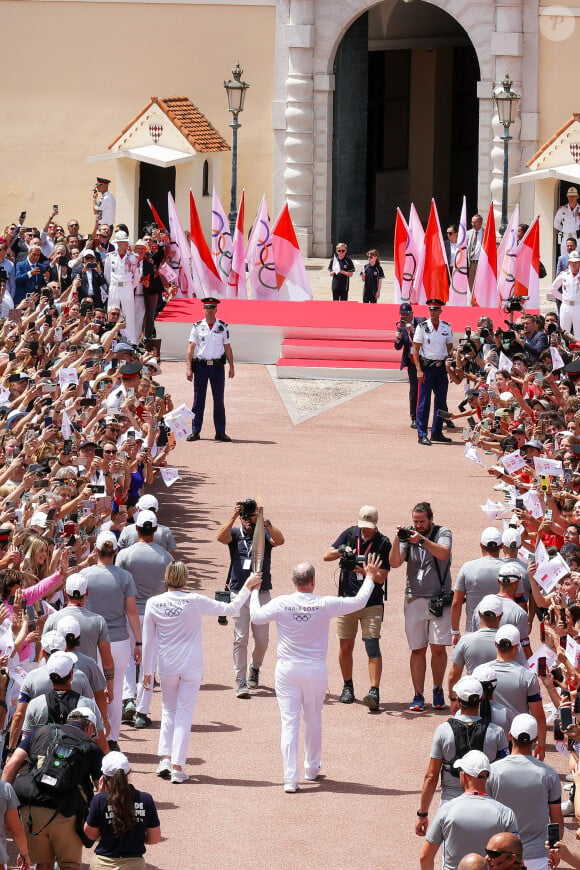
291,276
179,255
485,284
202,264
527,271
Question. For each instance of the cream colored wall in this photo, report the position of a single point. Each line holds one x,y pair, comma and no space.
78,73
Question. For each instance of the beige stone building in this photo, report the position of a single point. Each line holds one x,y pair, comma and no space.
354,107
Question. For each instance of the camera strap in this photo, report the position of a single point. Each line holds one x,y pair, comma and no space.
435,531
228,579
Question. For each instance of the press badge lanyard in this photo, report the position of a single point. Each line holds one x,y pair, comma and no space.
421,569
367,549
247,563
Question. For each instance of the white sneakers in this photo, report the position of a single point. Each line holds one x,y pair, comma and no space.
164,768
290,787
312,775
179,776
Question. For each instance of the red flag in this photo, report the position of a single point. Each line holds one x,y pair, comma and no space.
485,286
156,217
291,277
203,266
527,270
236,288
435,270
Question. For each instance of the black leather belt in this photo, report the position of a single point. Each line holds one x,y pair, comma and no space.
220,361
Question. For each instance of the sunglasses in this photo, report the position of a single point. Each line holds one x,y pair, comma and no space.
495,853
341,250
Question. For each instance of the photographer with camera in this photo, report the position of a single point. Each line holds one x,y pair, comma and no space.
353,548
239,539
532,336
426,548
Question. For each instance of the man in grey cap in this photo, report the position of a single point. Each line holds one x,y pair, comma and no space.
475,579
444,748
404,340
566,287
466,823
530,788
517,687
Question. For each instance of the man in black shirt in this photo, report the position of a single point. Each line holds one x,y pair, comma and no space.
352,548
239,539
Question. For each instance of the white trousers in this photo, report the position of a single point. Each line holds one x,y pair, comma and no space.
139,315
570,319
260,633
179,694
121,652
301,686
124,297
131,689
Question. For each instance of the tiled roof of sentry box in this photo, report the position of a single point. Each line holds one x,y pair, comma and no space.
188,119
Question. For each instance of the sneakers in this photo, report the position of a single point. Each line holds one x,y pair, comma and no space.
142,721
347,696
253,677
290,787
371,699
438,698
179,776
568,808
418,703
312,775
242,690
164,768
129,710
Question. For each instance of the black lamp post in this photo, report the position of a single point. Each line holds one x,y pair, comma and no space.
236,91
506,101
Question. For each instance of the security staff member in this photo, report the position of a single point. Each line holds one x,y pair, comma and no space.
567,219
567,288
209,349
432,344
355,542
404,340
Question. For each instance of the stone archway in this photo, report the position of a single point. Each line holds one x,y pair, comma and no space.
308,33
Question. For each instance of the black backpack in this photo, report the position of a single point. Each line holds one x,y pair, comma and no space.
62,769
60,704
467,736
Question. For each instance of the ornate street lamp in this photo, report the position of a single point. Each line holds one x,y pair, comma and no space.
506,101
236,91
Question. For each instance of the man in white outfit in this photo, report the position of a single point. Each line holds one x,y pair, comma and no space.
122,274
303,621
566,287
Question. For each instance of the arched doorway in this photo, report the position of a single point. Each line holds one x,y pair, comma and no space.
406,120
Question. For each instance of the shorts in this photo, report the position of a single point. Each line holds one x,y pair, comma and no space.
422,628
370,619
56,838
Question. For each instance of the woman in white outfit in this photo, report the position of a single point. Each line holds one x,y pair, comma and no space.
172,631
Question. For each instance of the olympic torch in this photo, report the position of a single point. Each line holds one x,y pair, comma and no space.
258,543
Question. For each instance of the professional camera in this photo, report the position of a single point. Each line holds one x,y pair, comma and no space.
484,333
349,559
3,276
516,304
405,534
226,596
551,328
248,508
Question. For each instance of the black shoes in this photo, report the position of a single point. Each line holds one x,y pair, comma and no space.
371,699
442,439
221,436
347,696
424,440
413,424
195,436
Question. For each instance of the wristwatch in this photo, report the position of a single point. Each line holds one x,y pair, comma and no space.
422,815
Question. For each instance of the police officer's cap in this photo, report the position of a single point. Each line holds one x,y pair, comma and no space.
435,303
210,300
103,180
405,308
572,191
130,370
573,368
574,257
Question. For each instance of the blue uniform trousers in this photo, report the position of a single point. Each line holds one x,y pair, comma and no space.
216,376
435,381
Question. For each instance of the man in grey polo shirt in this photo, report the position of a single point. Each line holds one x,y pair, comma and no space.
146,561
469,693
466,823
478,647
426,549
509,578
517,687
530,788
162,534
476,579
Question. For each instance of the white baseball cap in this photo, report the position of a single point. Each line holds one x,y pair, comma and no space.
76,583
87,713
144,517
523,725
507,632
147,502
368,517
114,761
53,641
467,687
512,538
60,663
491,604
474,763
69,625
485,673
510,572
106,538
491,535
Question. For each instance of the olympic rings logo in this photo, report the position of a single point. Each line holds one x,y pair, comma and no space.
301,617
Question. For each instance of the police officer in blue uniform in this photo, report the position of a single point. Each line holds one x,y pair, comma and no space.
404,340
208,351
432,344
